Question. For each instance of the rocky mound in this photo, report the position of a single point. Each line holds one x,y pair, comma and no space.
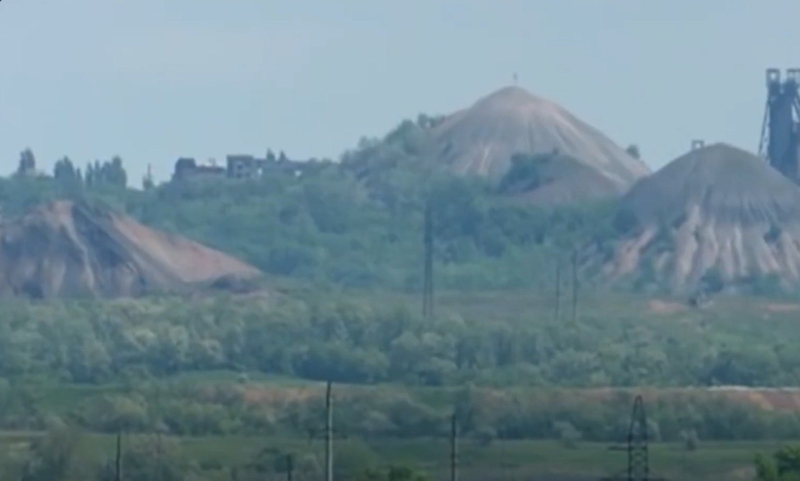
67,249
483,138
555,179
715,213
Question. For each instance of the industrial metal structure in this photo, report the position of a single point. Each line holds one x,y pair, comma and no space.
780,129
636,447
638,459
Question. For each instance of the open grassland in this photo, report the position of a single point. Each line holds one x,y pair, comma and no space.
514,460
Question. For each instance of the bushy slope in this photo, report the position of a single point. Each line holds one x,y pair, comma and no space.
336,227
555,180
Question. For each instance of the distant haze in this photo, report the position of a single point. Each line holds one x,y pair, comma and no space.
152,80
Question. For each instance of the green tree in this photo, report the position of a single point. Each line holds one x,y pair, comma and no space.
633,151
27,163
53,457
64,172
114,173
784,465
147,181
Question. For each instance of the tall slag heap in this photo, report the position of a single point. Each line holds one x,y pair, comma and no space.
716,215
780,133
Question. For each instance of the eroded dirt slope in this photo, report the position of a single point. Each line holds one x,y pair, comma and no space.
66,249
717,210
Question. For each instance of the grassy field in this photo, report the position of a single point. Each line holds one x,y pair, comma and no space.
507,460
502,459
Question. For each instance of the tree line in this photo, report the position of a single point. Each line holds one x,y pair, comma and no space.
356,223
66,173
358,341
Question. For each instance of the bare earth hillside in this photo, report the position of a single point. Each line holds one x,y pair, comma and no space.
718,209
483,138
67,249
557,179
768,399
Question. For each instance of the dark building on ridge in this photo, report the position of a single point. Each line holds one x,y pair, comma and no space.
187,168
242,166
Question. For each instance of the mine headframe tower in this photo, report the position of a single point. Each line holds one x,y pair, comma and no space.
780,130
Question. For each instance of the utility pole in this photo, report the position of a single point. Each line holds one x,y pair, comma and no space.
558,288
454,448
638,456
574,285
289,467
118,459
328,434
159,468
427,295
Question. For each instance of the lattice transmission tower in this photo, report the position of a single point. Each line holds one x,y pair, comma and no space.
638,455
636,447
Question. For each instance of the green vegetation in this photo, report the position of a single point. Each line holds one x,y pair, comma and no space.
223,458
235,366
230,384
783,465
357,223
498,340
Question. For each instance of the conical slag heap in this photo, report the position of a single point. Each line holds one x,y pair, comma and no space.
717,212
483,138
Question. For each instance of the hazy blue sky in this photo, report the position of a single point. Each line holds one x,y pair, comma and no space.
152,80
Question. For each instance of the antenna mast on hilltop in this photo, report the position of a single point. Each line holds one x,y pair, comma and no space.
780,129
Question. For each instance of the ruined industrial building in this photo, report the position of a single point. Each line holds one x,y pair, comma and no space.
243,166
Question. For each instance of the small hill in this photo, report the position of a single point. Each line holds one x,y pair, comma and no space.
66,249
717,214
483,138
555,179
